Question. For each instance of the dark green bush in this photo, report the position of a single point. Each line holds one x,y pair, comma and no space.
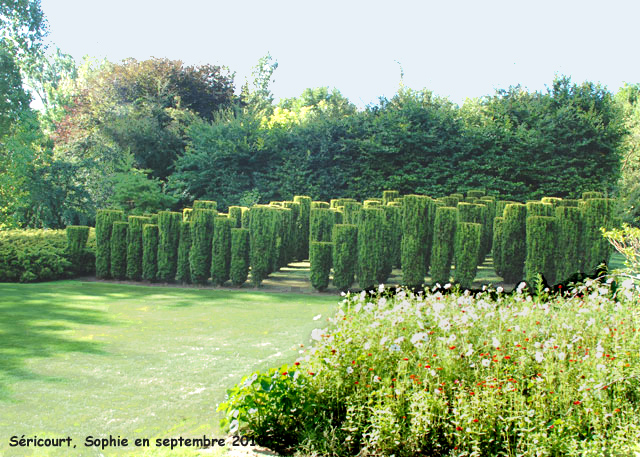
389,195
205,204
262,238
149,251
119,249
444,231
588,195
541,249
83,260
415,217
317,204
451,200
345,255
235,214
393,219
221,251
569,241
134,246
371,203
476,193
239,270
202,227
183,270
467,245
568,202
297,230
514,246
305,214
168,238
351,210
245,217
500,205
477,213
596,213
320,224
538,208
104,222
371,247
320,257
497,245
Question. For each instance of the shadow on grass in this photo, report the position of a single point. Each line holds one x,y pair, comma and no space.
33,322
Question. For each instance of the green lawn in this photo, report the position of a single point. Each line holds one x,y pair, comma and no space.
87,358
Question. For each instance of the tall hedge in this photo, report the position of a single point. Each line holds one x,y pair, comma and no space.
345,255
319,204
393,218
221,250
305,210
202,226
296,230
415,216
104,223
541,248
389,196
149,251
205,204
351,210
467,245
371,203
476,193
555,201
119,250
514,247
371,251
186,214
262,238
239,270
320,224
490,202
451,200
235,214
497,245
183,270
444,231
77,236
168,238
596,213
478,214
134,246
592,194
320,257
569,250
538,208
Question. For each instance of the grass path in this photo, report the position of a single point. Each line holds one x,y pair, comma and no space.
80,359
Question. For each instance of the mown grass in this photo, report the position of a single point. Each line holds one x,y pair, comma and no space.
91,359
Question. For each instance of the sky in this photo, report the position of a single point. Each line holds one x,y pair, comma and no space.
457,49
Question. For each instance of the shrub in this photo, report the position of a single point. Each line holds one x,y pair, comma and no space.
476,213
183,270
393,219
476,193
296,230
305,211
186,214
451,200
320,224
541,249
345,255
262,238
555,201
338,216
588,195
351,210
235,214
568,202
389,195
500,206
168,238
596,213
443,243
320,258
221,250
245,217
239,270
467,245
371,203
205,204
514,247
415,216
202,227
568,242
104,222
119,250
371,239
323,205
538,208
134,246
497,245
82,259
149,251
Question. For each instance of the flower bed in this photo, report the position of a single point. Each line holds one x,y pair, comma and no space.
457,375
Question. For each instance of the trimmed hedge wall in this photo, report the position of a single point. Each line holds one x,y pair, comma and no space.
239,270
235,214
320,224
149,251
168,238
119,249
221,250
538,208
320,256
371,250
134,246
569,251
389,195
183,270
497,245
514,246
541,235
305,214
444,232
596,213
205,204
351,210
345,255
467,245
202,227
104,222
415,217
262,239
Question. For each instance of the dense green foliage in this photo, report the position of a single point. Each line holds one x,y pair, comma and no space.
467,243
183,269
119,249
149,251
569,252
169,237
239,269
104,224
415,211
514,247
202,227
444,231
221,250
371,247
541,249
305,215
320,258
262,239
134,246
597,213
321,221
497,245
345,255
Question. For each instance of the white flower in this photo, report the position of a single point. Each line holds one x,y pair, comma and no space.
394,348
495,342
627,283
447,286
539,357
315,318
521,286
384,340
316,334
349,370
562,355
399,340
601,367
367,345
418,338
486,363
499,289
381,288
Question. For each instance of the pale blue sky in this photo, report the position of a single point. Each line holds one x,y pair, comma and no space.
457,49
